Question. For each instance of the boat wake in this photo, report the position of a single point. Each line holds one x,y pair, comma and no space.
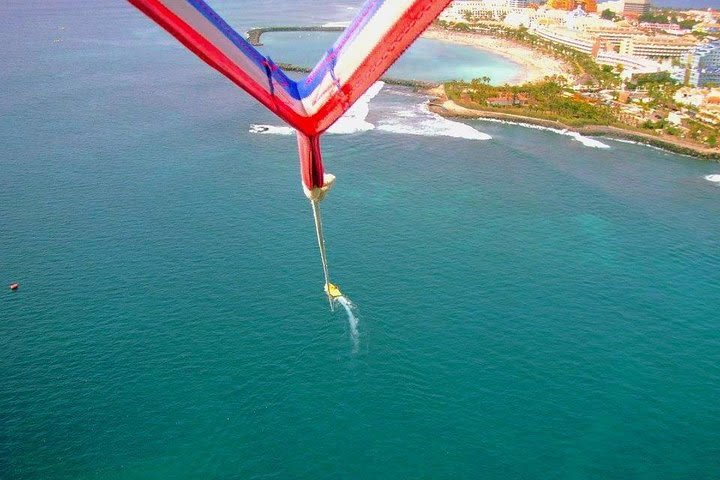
352,321
715,178
271,130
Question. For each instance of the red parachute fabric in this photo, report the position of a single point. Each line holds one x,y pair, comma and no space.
381,32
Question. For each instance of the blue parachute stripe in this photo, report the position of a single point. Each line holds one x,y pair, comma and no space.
289,85
328,61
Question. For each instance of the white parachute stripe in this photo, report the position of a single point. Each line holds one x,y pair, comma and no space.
210,32
355,52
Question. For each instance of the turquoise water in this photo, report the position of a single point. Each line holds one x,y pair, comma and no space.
429,60
527,307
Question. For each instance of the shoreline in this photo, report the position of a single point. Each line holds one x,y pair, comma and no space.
533,65
441,105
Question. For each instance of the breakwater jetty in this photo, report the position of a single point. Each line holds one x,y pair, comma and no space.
254,36
416,84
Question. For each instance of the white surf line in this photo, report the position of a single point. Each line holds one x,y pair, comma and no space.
419,120
587,141
415,119
667,151
352,321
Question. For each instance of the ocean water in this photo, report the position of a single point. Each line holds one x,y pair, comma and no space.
525,305
427,59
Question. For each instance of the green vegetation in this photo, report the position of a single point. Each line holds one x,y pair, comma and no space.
712,140
687,24
547,99
608,14
668,16
597,103
654,17
660,88
552,99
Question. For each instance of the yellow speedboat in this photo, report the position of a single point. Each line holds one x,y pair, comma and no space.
332,290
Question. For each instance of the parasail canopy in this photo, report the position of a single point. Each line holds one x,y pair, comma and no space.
379,34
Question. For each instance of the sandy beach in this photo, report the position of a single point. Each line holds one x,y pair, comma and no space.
535,66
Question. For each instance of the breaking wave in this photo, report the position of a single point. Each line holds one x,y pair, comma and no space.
415,120
353,121
419,120
587,141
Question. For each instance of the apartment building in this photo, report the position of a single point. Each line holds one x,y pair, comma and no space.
658,47
703,65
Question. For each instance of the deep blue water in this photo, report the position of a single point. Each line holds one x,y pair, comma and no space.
528,307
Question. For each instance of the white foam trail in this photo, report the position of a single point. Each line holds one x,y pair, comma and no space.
270,130
587,141
419,120
713,178
353,121
352,321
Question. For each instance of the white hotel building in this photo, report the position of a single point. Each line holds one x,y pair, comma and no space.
459,9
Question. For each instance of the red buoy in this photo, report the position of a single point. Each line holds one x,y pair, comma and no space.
14,286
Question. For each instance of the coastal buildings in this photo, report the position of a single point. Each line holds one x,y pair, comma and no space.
464,10
694,97
612,34
459,10
637,7
638,50
586,5
706,101
583,42
657,47
575,40
615,6
703,65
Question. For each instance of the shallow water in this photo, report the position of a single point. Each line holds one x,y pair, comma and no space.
428,60
529,306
